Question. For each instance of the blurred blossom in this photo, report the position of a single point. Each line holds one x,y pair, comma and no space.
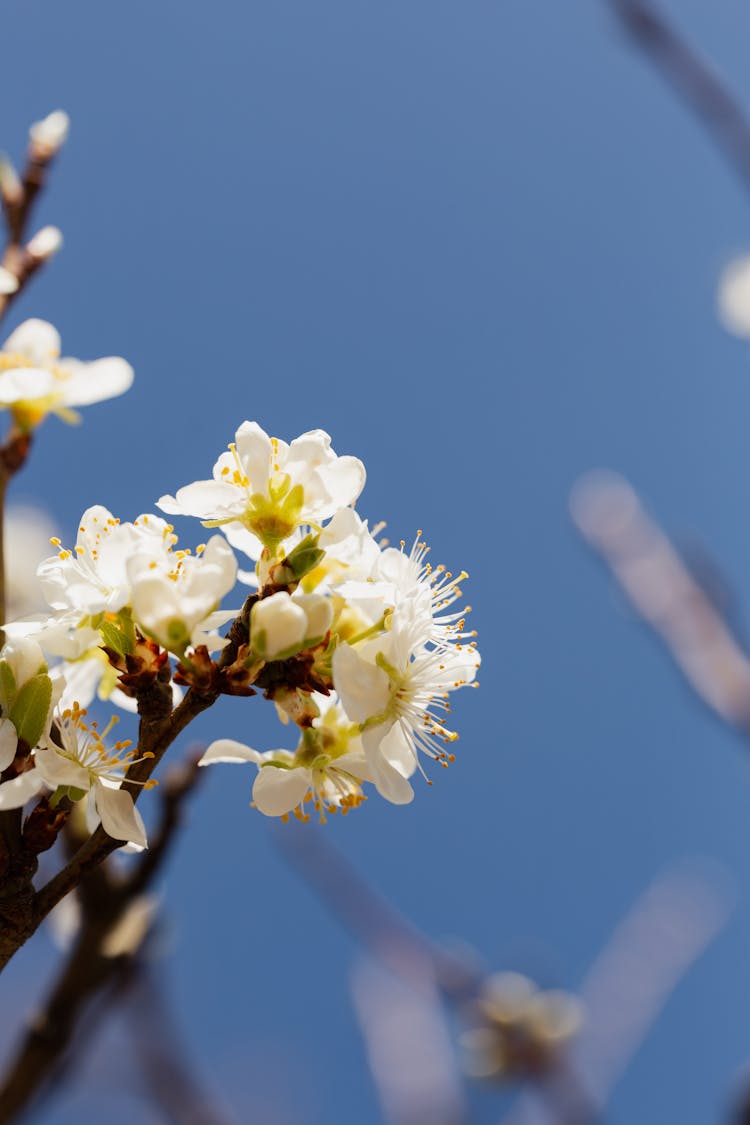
49,135
8,282
733,297
28,531
45,243
518,1030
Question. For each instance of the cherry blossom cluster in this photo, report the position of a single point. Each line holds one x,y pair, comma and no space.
357,643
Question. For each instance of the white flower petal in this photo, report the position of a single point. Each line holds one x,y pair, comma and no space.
390,782
120,818
254,450
58,770
227,750
363,688
15,793
37,340
24,384
277,791
101,379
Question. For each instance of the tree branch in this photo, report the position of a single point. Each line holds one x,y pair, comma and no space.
95,961
693,79
19,195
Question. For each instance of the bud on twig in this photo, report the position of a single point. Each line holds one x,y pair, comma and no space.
47,136
45,244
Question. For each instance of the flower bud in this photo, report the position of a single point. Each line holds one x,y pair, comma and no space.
282,625
8,282
49,135
11,187
319,612
278,626
45,243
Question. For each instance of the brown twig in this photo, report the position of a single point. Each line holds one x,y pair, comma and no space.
170,1079
159,727
372,919
693,78
19,196
94,963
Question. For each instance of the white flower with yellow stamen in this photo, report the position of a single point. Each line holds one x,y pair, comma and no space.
175,597
93,577
82,761
283,785
35,381
397,690
263,489
326,771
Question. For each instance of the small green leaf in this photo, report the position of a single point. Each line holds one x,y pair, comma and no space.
8,686
299,562
115,638
31,708
64,791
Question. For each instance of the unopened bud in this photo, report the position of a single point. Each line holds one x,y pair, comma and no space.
277,626
45,243
49,135
8,282
319,612
11,187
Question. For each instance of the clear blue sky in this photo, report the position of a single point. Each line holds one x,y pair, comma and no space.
478,243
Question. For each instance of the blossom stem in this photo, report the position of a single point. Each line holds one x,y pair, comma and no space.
160,726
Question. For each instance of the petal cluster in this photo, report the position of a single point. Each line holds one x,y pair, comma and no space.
35,381
358,644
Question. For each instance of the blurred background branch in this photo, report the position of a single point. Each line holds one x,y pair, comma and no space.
114,916
693,78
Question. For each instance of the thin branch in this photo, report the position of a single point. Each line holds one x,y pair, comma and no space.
626,988
372,919
702,643
98,958
159,727
693,78
19,195
171,1078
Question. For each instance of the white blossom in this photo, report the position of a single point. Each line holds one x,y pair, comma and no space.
35,381
397,690
84,762
327,771
93,577
263,489
175,597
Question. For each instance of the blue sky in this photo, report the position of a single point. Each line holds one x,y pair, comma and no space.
479,244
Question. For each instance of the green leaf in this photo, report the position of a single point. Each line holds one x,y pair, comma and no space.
116,639
7,686
31,708
299,562
68,791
